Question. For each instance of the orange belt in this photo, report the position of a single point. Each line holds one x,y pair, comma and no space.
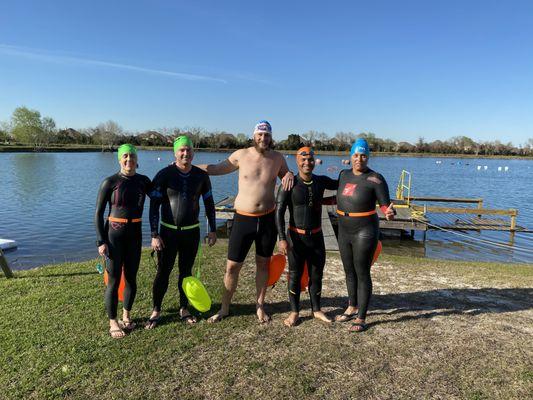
255,214
305,231
356,214
124,220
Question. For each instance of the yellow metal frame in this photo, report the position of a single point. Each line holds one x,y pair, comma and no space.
400,189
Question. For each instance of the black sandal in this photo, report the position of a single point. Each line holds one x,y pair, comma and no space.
189,319
361,325
152,322
346,317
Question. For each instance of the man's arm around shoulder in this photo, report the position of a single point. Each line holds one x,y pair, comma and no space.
225,167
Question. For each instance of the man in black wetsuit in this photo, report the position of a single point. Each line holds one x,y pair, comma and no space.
304,201
119,236
177,190
359,190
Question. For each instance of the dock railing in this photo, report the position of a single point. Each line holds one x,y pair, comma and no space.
404,185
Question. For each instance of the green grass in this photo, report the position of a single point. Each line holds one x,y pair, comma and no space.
439,329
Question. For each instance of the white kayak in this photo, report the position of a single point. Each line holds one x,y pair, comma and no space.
6,244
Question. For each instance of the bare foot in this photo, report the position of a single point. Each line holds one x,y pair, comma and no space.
292,320
218,317
153,321
262,316
322,317
348,315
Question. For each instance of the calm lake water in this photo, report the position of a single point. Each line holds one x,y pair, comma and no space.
47,201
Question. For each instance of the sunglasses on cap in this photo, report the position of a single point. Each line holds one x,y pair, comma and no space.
306,153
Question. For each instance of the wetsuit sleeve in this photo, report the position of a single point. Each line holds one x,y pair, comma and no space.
209,204
156,198
331,184
382,192
282,200
102,199
148,186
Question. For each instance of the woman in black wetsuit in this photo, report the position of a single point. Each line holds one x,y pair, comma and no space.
119,235
359,190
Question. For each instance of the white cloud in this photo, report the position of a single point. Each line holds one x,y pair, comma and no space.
42,55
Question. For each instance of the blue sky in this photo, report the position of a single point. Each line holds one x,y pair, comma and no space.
402,70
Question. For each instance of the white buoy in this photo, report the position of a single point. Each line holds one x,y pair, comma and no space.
158,158
485,167
506,168
6,244
499,168
479,167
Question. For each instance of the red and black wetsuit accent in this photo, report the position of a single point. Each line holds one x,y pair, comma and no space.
304,201
122,232
178,196
358,235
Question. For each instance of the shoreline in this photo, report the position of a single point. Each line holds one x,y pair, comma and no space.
332,254
98,149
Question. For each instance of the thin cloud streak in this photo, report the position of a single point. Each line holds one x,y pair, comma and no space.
43,56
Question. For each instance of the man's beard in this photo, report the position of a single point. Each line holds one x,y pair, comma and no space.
262,149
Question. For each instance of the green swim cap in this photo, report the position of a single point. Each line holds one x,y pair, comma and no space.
182,141
126,148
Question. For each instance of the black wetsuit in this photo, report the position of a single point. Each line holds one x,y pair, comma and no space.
125,196
305,213
178,196
358,235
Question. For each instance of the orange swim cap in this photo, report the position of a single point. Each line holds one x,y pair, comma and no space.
305,151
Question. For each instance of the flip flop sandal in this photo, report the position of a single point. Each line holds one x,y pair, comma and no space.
112,331
189,319
358,327
346,317
152,322
127,325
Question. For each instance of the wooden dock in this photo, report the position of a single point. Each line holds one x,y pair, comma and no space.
403,221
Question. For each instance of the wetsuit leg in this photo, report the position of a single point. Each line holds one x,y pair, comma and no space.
267,235
188,243
296,258
132,258
165,265
316,259
116,246
347,258
358,239
243,232
364,245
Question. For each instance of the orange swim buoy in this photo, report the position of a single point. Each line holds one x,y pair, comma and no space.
304,282
377,252
121,285
275,268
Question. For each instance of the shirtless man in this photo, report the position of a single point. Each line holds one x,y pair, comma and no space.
254,219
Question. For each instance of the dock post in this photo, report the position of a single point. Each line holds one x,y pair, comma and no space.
5,266
513,220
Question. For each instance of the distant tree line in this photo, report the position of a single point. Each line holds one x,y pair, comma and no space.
28,127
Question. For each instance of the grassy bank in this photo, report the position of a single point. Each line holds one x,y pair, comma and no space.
439,329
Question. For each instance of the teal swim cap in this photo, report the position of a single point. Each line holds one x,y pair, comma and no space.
182,141
125,149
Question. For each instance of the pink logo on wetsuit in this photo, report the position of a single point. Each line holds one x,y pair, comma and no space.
349,189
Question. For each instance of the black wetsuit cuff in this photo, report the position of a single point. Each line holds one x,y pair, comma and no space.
99,243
